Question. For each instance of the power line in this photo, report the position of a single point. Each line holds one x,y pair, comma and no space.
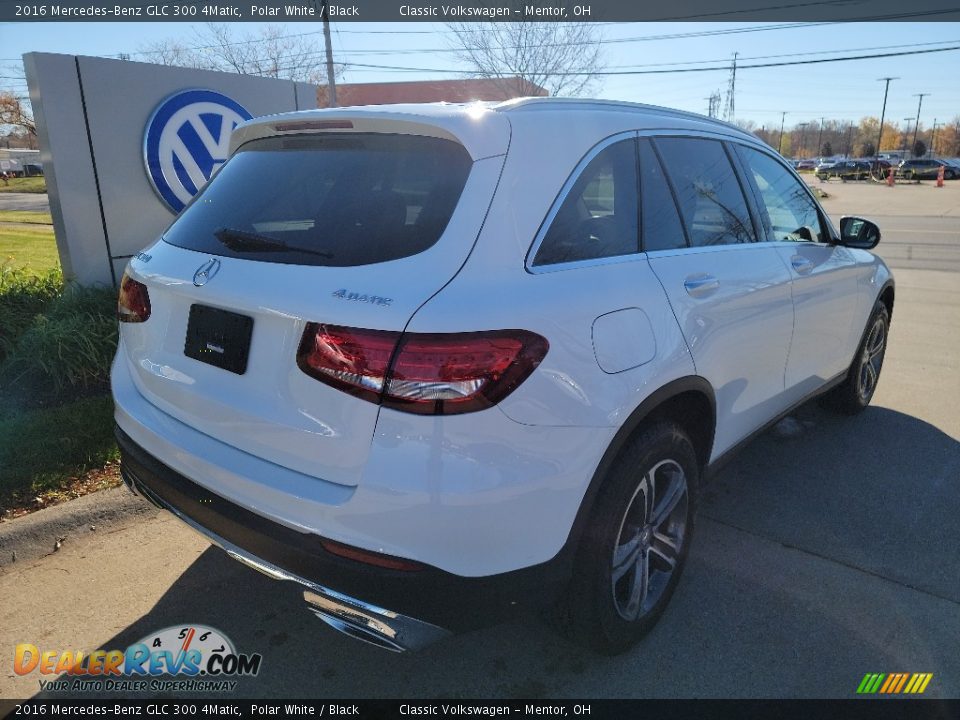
678,70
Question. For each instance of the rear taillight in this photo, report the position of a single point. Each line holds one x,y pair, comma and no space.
133,305
429,374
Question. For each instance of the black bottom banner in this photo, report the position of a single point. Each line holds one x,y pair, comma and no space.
872,709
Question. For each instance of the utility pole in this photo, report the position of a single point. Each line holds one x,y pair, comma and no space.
846,143
783,117
728,112
820,139
803,132
917,126
883,113
331,82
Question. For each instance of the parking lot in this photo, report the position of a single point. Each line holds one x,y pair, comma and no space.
821,554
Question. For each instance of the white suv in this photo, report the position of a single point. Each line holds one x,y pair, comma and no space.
433,362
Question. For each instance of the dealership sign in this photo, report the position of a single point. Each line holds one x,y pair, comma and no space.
186,140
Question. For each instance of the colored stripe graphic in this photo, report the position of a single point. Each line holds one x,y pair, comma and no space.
894,683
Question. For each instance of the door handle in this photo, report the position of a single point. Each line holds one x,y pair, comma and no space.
801,264
701,285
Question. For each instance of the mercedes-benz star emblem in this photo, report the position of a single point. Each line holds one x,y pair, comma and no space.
206,272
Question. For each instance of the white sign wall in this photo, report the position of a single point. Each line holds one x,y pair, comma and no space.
124,144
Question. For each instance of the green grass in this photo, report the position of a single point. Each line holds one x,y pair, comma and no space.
26,216
37,184
42,449
33,248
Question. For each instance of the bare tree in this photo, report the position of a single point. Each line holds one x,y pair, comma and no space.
271,52
565,58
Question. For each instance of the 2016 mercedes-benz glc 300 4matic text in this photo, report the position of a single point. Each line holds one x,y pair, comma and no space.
434,362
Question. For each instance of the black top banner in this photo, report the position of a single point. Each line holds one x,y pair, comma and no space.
193,707
476,10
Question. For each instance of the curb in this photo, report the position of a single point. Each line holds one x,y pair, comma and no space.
39,534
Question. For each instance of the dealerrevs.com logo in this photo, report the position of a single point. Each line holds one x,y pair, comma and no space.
200,658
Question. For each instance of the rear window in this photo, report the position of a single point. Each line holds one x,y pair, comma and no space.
335,200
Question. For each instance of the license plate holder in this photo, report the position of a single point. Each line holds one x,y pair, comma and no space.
218,337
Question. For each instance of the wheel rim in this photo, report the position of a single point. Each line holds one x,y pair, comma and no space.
650,540
872,359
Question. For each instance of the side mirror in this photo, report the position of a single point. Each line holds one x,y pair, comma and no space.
856,232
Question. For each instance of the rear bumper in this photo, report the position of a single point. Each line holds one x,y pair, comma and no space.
399,610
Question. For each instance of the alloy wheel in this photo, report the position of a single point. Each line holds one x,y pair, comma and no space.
650,540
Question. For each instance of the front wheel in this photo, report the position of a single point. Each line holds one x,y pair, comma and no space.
856,391
635,548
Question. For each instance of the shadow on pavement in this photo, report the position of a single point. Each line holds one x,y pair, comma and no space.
750,618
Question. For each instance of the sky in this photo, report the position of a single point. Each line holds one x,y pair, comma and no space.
838,91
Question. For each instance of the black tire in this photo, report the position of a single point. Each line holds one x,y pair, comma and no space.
605,613
855,392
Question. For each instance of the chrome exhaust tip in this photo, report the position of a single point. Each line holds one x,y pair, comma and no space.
370,624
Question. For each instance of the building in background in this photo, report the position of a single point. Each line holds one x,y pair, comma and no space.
424,91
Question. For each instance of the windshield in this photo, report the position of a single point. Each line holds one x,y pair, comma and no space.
337,200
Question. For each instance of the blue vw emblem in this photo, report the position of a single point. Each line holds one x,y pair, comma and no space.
186,140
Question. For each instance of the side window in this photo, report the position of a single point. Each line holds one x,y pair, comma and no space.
789,212
711,201
598,218
662,229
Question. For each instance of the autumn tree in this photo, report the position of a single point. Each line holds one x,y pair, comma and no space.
563,57
15,112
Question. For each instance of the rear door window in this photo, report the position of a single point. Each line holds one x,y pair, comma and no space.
335,200
711,201
662,229
598,217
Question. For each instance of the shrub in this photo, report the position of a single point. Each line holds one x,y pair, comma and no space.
66,349
23,296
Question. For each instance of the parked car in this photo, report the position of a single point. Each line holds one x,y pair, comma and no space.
806,164
454,360
926,169
845,170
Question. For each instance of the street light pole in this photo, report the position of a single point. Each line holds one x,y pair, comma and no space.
820,138
905,134
917,126
933,140
883,113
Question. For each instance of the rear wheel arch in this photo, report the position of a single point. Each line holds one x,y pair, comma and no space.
688,401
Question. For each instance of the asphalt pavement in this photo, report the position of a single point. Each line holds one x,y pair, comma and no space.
37,202
819,557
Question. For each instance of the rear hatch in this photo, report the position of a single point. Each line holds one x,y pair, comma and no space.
355,226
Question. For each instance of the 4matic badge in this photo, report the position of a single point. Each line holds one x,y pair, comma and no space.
345,294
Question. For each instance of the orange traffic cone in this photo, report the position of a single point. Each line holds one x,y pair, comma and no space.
940,177
890,180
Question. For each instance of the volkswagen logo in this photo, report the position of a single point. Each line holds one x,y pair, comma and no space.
186,140
206,272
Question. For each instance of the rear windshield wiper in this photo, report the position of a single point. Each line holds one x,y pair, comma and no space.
243,241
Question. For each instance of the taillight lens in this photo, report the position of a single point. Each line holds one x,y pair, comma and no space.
352,360
133,305
430,374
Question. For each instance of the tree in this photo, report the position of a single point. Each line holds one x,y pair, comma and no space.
562,57
270,52
868,149
14,111
919,148
827,149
